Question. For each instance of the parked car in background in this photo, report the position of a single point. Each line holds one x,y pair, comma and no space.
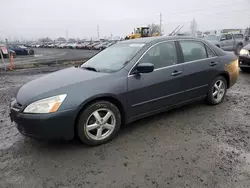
63,45
57,45
5,53
99,46
68,45
79,46
91,45
228,42
73,45
107,45
244,59
52,45
46,45
21,50
85,44
128,81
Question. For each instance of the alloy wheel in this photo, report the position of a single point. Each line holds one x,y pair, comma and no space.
219,90
100,124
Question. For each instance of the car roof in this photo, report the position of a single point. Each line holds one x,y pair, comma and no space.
156,39
153,40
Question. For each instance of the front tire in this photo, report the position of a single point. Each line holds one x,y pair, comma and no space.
217,90
99,123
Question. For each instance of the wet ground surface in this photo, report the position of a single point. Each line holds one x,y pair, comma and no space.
194,146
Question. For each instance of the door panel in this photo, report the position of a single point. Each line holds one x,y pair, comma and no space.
198,72
197,75
156,90
224,42
152,91
230,42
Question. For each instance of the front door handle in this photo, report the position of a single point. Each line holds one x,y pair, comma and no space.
176,73
212,64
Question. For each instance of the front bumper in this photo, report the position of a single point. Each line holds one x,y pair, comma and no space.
244,61
58,125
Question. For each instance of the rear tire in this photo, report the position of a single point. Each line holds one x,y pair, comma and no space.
98,123
245,69
217,90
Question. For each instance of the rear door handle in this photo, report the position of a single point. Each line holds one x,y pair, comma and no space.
176,73
212,64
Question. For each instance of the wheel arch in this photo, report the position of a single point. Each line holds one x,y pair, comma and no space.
239,43
226,76
104,97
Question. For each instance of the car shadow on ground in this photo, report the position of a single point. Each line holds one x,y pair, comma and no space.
160,116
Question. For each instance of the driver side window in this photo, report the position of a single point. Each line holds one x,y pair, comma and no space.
161,55
223,37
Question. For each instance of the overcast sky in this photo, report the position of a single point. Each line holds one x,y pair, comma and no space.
38,18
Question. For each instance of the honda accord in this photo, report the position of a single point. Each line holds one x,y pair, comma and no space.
127,81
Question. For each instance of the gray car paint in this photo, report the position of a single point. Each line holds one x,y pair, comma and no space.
228,45
139,95
247,47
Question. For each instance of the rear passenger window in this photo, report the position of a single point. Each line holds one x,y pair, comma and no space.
193,50
210,53
161,55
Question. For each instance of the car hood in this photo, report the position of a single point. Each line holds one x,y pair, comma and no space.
45,85
247,47
214,42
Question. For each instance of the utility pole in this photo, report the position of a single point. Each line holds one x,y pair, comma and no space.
7,46
67,35
160,23
98,32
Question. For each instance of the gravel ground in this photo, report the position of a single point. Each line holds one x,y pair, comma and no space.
194,146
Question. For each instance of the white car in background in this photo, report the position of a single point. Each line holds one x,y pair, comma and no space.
63,45
73,45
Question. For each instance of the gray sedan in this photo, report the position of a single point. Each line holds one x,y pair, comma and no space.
127,81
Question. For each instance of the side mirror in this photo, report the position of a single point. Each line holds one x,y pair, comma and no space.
144,68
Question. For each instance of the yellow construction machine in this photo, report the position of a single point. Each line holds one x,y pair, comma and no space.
141,32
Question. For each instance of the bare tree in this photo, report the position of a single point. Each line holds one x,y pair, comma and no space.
72,40
61,39
47,39
154,28
193,27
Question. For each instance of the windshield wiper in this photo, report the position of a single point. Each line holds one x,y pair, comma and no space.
90,68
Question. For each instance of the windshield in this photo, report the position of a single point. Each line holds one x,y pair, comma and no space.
113,58
211,37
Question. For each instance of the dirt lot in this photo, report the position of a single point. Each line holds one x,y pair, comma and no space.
194,146
49,56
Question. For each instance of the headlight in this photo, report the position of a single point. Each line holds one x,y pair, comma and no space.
47,105
244,52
